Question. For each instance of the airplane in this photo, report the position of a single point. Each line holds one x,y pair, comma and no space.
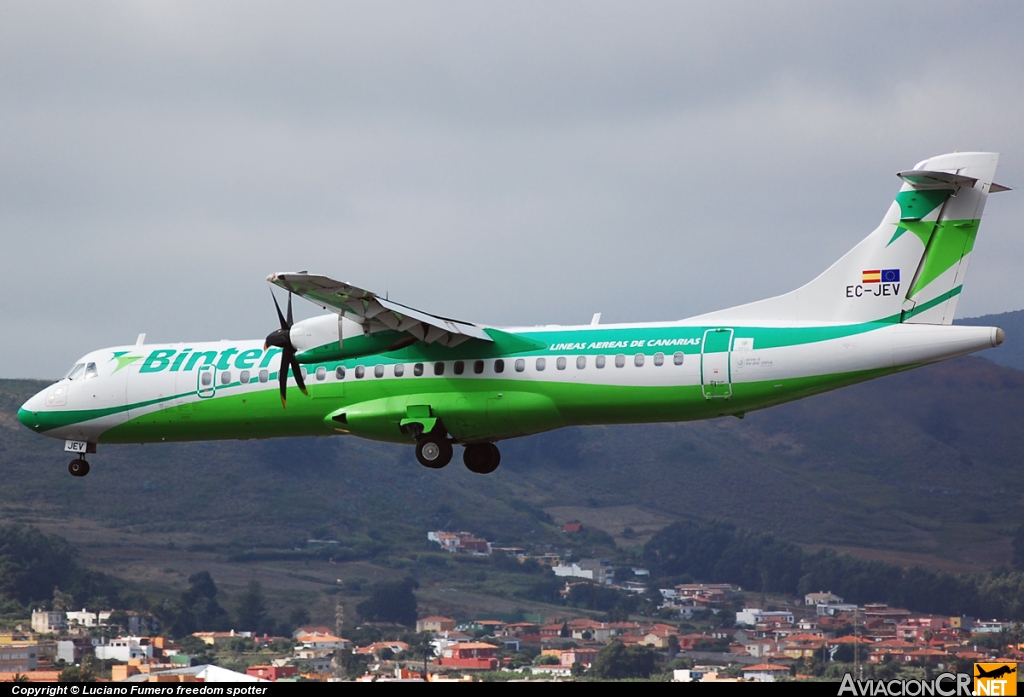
995,672
378,369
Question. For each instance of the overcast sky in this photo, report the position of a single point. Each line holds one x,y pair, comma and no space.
504,163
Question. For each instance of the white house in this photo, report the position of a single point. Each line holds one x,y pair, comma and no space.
765,672
751,616
84,618
45,621
597,570
822,598
124,649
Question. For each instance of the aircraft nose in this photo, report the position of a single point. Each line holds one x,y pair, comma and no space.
28,413
28,418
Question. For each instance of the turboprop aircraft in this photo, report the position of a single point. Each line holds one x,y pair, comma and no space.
378,369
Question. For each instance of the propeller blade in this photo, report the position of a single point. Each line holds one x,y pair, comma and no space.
282,375
297,373
281,338
280,317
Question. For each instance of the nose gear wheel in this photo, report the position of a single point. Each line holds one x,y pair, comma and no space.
78,467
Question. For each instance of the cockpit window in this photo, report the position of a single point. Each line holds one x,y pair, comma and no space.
76,372
90,371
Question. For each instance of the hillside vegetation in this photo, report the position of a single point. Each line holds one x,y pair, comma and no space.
925,461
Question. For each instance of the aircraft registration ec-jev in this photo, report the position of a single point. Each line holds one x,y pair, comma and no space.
379,369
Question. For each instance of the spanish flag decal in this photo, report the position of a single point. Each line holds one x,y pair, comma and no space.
873,276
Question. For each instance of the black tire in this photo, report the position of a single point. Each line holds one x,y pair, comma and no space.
481,458
78,468
433,451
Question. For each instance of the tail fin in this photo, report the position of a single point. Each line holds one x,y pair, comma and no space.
912,267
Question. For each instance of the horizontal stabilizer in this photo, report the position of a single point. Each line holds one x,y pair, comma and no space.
923,181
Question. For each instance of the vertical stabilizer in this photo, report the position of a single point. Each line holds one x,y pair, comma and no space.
911,268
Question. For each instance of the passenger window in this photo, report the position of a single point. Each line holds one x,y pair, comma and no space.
499,366
90,371
399,370
360,372
542,363
243,377
207,379
581,362
265,374
560,363
638,360
439,368
339,372
321,374
659,359
76,371
478,367
225,377
417,369
459,367
599,362
378,371
520,365
303,371
677,358
620,361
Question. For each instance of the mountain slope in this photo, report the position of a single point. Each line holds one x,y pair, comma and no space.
1011,353
924,461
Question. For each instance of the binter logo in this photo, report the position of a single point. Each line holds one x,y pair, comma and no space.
995,678
187,359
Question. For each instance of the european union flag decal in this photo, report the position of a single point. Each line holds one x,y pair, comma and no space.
890,275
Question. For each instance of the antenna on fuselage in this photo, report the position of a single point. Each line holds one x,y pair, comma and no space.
141,340
596,319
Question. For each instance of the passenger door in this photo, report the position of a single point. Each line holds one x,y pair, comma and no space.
715,375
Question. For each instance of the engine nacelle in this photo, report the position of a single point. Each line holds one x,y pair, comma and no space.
320,331
335,337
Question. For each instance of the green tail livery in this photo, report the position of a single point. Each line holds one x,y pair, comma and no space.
378,369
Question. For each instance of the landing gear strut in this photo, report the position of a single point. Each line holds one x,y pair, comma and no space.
433,450
78,467
481,458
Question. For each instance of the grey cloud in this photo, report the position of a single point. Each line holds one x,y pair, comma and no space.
518,163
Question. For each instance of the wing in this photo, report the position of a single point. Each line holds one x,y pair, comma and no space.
375,313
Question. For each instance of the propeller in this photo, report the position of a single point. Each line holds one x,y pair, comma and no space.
281,338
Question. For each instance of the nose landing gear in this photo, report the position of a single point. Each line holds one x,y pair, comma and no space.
78,467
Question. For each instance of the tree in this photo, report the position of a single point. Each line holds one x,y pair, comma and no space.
616,661
84,672
391,602
421,647
200,585
1018,549
252,608
200,600
299,617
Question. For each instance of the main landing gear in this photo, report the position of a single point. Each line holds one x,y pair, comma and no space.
482,458
434,450
78,467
